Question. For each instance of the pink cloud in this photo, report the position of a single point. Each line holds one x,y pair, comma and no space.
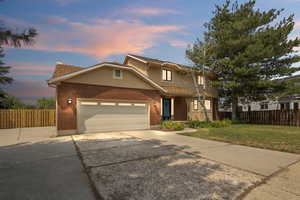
150,11
103,37
178,43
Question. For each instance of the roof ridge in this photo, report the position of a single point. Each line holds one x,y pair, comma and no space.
158,60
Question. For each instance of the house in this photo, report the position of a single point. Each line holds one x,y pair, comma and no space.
290,102
137,94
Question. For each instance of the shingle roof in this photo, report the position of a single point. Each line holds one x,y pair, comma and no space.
157,61
63,69
180,67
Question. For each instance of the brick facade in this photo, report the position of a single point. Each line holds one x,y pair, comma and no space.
66,113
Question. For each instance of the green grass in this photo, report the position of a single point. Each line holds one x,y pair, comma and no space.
281,138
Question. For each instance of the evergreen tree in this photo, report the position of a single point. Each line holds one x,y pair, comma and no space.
247,49
12,39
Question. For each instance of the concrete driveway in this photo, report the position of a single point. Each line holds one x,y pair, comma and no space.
125,167
163,165
36,167
137,165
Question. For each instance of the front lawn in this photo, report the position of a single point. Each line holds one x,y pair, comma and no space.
281,138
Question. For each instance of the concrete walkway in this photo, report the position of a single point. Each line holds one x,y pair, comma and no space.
284,185
43,168
259,161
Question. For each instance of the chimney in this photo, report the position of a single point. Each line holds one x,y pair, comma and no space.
59,63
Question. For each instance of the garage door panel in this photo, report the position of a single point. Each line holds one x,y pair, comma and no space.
100,118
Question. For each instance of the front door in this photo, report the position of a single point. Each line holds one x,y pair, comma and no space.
166,109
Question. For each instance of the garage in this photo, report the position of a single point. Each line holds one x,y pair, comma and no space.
101,116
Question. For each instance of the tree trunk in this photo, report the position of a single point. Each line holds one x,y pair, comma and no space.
234,105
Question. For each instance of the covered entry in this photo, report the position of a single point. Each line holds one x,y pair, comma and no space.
101,116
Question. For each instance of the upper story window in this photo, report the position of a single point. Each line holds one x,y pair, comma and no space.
166,75
200,80
117,74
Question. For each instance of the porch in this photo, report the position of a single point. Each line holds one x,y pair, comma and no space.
181,108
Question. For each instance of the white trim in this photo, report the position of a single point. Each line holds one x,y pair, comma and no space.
88,103
124,104
161,106
107,104
140,104
68,76
207,104
195,104
172,106
143,61
165,63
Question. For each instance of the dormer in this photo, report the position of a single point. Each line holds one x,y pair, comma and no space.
137,63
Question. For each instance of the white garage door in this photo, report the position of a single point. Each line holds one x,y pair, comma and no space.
101,116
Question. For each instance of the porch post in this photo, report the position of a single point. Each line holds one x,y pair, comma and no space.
172,108
161,108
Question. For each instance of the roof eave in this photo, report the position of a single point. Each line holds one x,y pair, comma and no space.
71,75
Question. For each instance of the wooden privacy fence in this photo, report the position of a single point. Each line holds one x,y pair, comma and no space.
271,117
27,118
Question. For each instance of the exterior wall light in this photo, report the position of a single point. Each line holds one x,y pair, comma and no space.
69,101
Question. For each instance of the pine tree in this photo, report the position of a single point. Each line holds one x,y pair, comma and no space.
247,49
12,39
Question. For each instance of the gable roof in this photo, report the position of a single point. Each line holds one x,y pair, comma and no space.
80,70
153,61
156,62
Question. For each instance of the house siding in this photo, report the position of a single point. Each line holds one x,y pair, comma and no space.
104,77
180,79
67,113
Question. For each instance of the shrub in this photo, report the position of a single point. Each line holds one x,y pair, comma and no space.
213,124
171,125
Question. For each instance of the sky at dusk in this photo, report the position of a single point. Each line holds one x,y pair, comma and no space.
87,32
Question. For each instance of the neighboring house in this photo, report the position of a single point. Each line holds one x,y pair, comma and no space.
287,103
281,103
137,94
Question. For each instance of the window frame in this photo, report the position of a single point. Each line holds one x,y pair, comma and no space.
200,80
117,77
165,76
205,103
195,104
